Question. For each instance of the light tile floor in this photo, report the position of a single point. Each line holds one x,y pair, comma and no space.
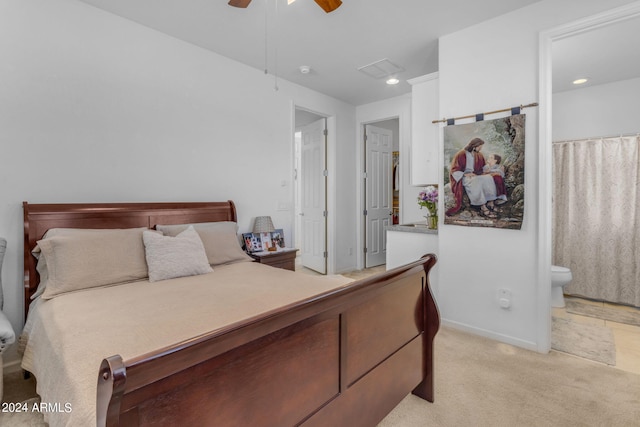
627,337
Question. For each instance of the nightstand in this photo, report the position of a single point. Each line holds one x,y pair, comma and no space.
284,258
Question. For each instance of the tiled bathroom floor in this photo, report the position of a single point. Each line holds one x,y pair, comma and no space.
626,336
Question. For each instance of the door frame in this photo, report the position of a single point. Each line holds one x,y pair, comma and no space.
394,108
365,167
545,177
330,193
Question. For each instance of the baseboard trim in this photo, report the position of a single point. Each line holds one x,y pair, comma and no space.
528,345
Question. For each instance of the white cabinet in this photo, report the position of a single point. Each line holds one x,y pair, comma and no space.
425,135
406,244
404,247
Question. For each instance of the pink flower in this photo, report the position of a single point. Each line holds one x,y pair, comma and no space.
429,199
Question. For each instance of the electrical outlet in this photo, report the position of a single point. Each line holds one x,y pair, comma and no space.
504,298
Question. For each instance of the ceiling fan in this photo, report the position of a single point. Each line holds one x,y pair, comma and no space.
327,5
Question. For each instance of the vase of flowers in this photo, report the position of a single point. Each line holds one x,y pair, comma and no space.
429,199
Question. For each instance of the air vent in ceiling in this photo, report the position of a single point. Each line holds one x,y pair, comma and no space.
381,69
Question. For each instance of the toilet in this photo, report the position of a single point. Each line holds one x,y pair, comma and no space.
560,276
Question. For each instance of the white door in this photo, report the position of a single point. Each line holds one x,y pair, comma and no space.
378,194
313,196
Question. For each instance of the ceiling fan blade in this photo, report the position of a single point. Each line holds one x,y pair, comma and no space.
329,5
239,3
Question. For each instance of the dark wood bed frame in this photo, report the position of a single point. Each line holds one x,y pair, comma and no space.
347,357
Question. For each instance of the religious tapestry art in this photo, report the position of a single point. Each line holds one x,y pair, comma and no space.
484,173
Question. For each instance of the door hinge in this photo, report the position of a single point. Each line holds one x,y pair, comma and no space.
365,137
365,250
325,172
326,254
365,175
325,213
364,212
325,133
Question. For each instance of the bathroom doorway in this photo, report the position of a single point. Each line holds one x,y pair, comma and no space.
566,119
595,152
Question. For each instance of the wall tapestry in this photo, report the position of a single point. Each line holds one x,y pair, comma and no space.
484,173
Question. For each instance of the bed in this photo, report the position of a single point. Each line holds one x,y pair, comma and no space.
239,344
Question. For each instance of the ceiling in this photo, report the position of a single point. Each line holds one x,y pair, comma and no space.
334,45
604,55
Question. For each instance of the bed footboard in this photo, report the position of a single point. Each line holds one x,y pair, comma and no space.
345,358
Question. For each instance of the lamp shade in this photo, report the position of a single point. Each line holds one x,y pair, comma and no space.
263,224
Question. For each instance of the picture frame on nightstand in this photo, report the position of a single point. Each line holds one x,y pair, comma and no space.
277,238
252,242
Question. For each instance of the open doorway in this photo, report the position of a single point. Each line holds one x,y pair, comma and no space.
310,181
381,187
576,115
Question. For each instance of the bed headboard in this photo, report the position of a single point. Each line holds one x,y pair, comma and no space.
38,218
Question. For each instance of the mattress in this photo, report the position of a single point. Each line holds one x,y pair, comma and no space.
66,338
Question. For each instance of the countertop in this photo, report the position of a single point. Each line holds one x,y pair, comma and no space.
418,227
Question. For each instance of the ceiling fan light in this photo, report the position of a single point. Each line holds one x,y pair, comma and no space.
329,5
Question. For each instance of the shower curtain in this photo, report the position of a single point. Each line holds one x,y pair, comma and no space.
596,217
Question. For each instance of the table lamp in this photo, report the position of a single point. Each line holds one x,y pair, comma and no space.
263,224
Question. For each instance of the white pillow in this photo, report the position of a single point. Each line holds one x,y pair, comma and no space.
170,257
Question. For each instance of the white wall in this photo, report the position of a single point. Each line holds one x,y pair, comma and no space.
95,108
603,110
486,67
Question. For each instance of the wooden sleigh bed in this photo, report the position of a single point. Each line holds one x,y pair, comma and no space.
345,356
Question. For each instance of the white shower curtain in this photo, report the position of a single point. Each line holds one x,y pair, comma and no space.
596,217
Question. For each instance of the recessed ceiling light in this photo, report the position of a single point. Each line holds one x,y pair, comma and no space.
393,81
580,81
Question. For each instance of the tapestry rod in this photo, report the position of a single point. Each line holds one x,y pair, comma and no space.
534,104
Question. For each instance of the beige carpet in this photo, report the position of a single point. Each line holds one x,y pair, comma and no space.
480,382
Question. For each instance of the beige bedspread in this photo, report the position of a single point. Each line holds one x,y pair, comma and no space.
68,336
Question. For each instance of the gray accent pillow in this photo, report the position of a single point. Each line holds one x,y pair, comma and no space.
220,240
169,257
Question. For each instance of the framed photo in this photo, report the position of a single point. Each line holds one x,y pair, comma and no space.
252,242
277,238
265,241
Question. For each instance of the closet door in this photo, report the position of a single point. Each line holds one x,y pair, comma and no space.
313,197
378,198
